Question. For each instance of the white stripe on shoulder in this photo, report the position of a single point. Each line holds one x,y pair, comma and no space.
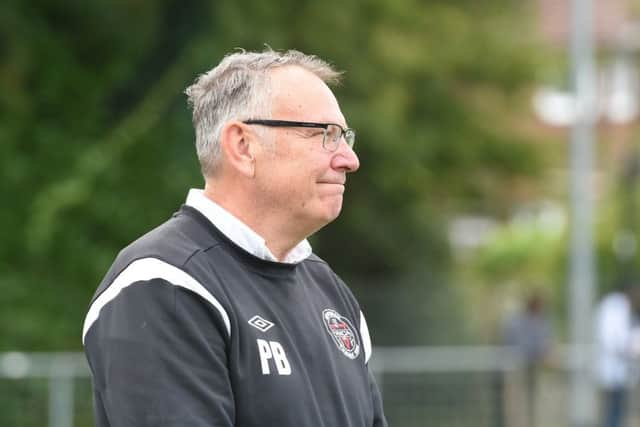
366,339
147,269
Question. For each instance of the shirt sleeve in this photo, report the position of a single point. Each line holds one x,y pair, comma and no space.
379,419
158,356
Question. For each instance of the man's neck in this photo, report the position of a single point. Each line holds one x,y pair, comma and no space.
279,238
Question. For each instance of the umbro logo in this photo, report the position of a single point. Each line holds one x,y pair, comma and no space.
260,323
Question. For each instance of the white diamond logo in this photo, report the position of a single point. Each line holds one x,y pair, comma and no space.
260,323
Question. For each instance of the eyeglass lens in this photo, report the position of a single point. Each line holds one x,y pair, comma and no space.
333,134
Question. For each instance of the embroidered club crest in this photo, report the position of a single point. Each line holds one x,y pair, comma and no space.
342,332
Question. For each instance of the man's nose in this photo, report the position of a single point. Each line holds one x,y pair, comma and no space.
345,159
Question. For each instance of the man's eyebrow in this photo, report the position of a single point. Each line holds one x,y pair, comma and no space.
334,122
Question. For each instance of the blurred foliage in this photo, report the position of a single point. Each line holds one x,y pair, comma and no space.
530,253
96,141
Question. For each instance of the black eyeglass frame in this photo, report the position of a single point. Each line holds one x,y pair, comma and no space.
348,133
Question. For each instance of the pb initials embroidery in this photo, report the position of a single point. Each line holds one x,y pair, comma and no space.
273,351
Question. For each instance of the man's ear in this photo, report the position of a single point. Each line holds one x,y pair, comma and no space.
238,144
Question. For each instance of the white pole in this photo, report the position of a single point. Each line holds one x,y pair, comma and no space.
581,269
61,401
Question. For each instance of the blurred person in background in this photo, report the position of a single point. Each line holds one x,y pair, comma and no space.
529,333
223,316
616,346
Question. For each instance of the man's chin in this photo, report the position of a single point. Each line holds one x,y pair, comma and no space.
334,213
329,216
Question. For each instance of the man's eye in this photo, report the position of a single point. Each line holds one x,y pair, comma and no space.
310,133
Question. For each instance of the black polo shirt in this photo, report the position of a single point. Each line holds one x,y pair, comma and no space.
189,329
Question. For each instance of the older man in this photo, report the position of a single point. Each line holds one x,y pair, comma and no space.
222,316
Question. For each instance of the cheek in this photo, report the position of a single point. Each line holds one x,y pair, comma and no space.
302,181
291,188
330,200
294,181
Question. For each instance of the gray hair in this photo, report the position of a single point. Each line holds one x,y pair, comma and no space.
238,89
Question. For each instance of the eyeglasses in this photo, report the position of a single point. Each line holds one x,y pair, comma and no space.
332,132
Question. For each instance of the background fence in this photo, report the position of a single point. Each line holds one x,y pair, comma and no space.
422,386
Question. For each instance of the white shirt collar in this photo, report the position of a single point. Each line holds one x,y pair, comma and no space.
239,232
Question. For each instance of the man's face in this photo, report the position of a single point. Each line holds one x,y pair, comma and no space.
299,180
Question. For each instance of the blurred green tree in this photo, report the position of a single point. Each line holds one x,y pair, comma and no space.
96,141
